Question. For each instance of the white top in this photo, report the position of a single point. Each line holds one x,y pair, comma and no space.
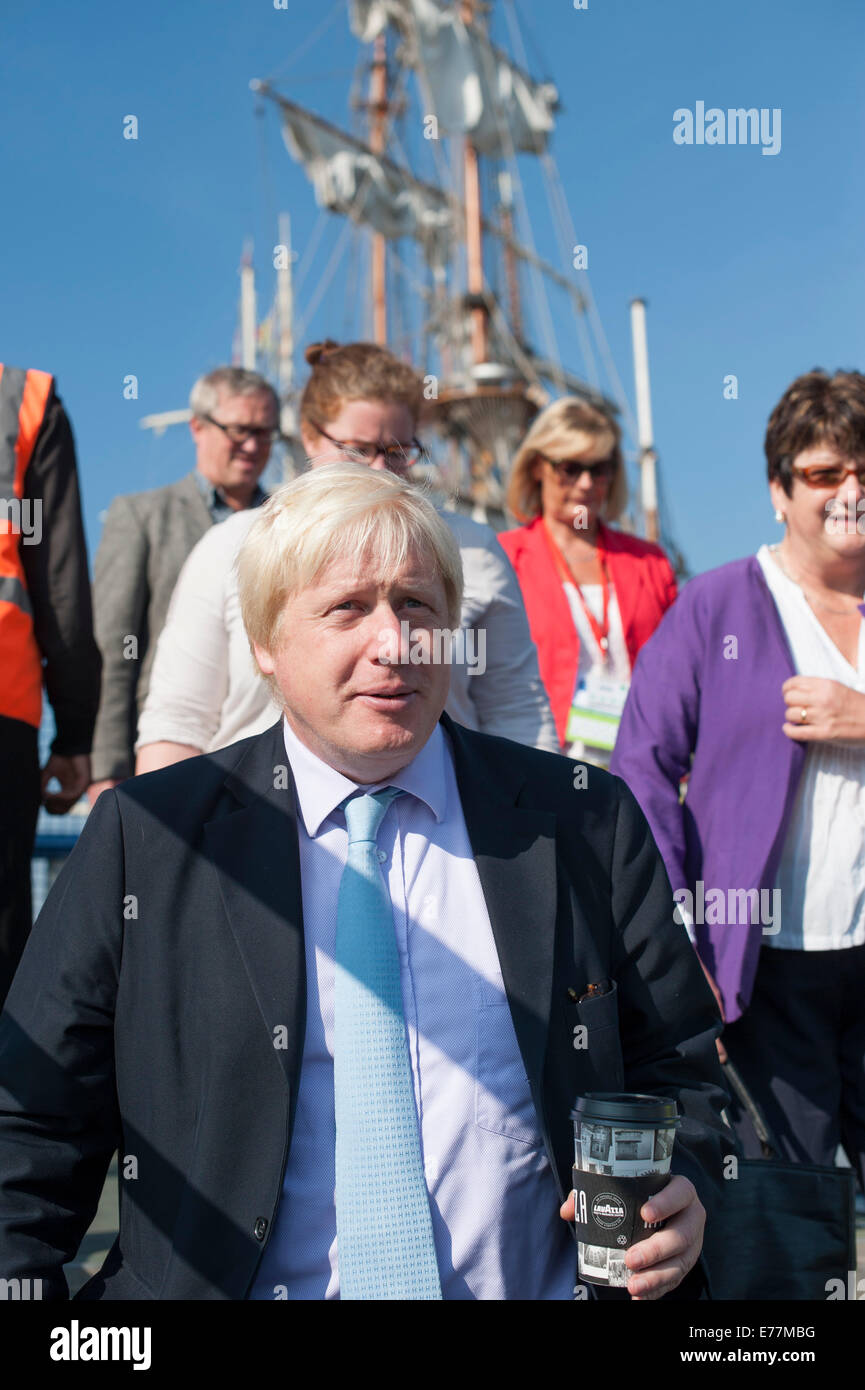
493,1196
822,871
618,665
205,690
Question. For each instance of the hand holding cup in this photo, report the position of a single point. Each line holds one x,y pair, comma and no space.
665,1258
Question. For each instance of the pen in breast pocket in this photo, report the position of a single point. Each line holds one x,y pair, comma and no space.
602,987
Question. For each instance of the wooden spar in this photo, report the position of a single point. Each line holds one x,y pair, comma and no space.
474,251
474,232
378,115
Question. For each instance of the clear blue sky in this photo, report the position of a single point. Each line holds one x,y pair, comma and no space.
121,256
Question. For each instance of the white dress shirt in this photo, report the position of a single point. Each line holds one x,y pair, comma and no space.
822,871
493,1196
205,690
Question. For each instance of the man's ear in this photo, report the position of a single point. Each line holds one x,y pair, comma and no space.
264,659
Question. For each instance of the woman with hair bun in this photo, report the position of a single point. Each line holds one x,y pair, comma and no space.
593,595
360,403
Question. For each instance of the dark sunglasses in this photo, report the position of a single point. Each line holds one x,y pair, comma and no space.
574,468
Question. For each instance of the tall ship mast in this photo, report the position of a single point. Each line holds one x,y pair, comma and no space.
450,127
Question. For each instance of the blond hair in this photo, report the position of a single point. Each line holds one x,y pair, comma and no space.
570,428
327,514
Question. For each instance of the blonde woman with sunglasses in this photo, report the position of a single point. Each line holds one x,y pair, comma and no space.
593,594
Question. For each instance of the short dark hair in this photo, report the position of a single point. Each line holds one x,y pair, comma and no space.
815,409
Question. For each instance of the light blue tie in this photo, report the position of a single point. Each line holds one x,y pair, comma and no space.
385,1244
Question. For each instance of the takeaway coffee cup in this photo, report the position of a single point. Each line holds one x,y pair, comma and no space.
623,1144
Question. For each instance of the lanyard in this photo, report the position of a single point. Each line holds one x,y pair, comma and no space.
600,631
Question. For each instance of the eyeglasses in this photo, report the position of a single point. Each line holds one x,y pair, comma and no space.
397,457
575,468
829,474
238,434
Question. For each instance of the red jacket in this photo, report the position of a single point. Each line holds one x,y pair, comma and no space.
645,587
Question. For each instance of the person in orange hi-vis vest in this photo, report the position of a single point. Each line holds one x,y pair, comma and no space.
46,635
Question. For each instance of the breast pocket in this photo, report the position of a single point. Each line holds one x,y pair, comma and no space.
596,1047
503,1098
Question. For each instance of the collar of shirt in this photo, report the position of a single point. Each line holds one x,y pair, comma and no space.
320,788
214,498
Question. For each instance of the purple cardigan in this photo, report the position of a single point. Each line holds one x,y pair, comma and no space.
708,683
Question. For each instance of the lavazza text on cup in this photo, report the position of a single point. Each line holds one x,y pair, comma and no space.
623,1143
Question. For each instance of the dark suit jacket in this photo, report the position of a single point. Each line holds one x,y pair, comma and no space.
169,960
145,541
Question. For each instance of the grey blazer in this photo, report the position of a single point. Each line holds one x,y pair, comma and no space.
145,540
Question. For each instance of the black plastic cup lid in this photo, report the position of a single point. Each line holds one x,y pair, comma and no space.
626,1108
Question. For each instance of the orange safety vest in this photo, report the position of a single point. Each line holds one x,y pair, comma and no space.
23,399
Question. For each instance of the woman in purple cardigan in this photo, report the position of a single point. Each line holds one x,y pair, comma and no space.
754,687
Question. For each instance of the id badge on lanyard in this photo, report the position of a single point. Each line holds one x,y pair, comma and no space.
600,698
597,710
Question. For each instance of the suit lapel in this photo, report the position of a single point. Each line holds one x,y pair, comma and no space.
255,855
515,852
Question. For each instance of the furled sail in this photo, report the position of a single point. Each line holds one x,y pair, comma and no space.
369,18
349,178
475,88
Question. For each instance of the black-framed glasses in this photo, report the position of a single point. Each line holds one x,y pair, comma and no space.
829,474
575,468
397,457
238,434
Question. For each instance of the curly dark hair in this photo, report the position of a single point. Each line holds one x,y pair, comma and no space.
815,409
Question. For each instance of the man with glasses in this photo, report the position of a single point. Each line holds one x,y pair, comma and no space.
148,535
